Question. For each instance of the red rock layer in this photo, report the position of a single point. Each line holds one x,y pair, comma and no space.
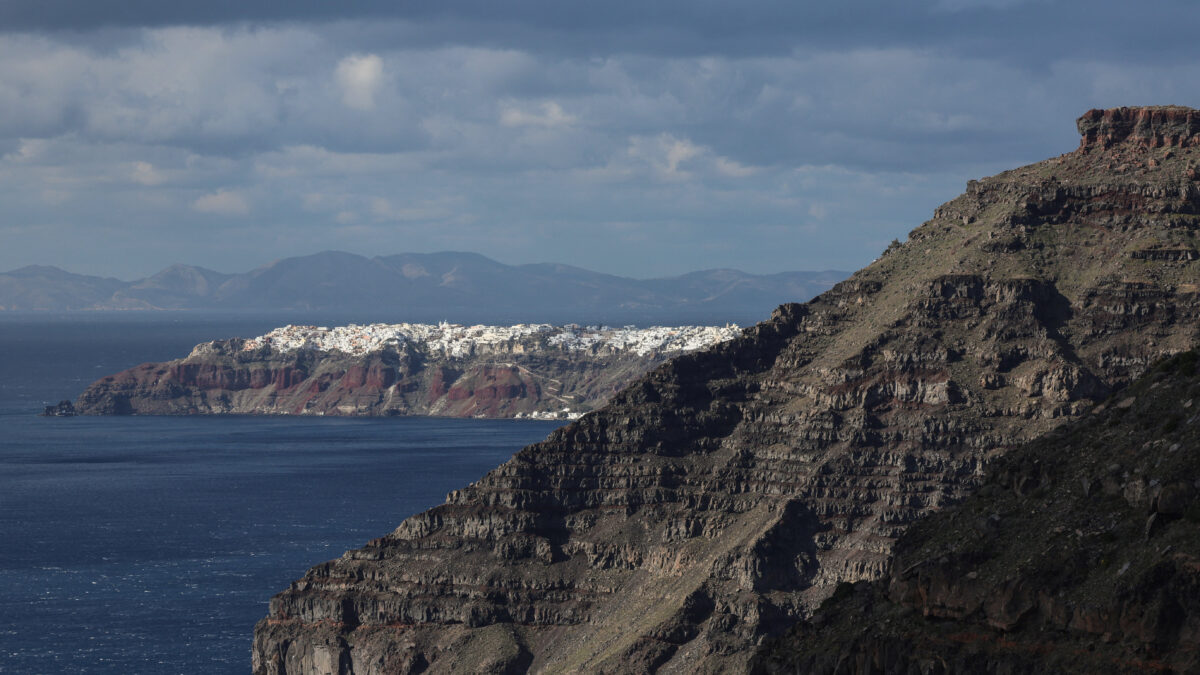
223,377
1155,127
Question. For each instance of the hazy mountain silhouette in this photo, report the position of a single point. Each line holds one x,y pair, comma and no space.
449,284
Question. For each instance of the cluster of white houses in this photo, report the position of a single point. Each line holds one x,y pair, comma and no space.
454,340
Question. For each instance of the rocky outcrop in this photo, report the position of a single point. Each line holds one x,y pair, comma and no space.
403,369
725,495
1080,554
62,409
1155,127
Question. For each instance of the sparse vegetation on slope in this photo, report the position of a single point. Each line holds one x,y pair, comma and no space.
1080,553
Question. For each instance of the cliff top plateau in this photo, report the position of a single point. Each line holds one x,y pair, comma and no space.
721,498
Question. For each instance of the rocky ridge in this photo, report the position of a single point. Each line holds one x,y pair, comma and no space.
725,495
1079,554
526,370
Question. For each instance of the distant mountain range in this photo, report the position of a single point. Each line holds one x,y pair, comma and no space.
449,285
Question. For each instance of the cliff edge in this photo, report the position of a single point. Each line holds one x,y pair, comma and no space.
724,496
449,370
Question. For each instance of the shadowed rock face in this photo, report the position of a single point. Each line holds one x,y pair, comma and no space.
1079,554
724,496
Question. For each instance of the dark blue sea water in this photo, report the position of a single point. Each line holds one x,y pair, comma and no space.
152,544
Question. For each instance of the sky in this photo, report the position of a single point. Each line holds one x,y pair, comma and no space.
637,138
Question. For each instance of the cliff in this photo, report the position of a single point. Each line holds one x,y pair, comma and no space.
399,369
725,495
1156,127
1080,554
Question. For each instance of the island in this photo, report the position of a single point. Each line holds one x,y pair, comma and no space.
535,371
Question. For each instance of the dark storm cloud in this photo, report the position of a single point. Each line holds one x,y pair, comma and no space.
1018,29
640,21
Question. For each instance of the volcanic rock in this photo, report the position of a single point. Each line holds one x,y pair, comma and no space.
61,409
1067,579
1153,127
724,496
446,370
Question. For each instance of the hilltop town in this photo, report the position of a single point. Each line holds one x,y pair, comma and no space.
450,340
524,371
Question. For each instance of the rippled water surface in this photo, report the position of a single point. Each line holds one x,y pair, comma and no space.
152,544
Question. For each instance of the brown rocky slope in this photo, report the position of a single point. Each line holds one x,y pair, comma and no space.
1080,554
725,495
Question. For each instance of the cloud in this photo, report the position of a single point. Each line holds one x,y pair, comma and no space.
733,169
1016,30
665,153
144,173
222,203
773,135
965,5
547,114
360,78
427,211
672,158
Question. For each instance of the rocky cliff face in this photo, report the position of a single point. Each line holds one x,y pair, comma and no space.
1163,126
1079,554
403,369
723,497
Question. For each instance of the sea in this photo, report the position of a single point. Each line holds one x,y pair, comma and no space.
153,544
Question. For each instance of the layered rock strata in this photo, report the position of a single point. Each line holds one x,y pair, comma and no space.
527,370
1080,554
722,497
1163,126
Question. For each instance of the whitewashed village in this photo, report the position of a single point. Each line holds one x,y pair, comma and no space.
448,340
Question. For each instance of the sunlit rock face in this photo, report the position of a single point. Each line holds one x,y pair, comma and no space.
1154,126
722,497
522,371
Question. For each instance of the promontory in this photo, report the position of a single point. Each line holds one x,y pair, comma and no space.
451,370
723,497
